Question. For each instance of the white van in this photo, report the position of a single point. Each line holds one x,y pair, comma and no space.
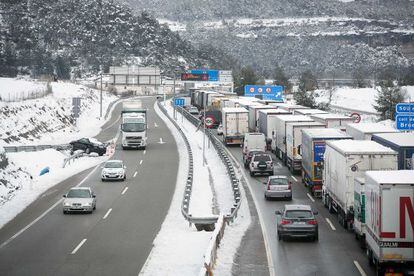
253,141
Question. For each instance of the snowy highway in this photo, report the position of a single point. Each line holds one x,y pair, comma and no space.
118,236
336,252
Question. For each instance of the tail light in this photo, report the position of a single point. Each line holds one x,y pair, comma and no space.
290,186
312,222
285,221
268,187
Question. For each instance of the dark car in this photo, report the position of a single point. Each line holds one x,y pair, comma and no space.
88,145
248,157
297,221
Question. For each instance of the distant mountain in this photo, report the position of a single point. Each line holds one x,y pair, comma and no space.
195,10
77,36
329,37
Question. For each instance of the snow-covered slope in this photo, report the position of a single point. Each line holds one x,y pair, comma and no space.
47,120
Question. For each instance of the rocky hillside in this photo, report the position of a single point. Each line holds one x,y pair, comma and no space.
329,37
76,37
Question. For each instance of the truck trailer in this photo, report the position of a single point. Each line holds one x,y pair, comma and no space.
332,120
313,149
279,138
254,115
344,160
364,131
401,142
294,143
235,122
390,221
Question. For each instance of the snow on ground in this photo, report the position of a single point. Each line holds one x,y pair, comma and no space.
26,166
179,249
19,89
358,99
47,120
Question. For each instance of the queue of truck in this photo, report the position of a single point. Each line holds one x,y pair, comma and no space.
363,172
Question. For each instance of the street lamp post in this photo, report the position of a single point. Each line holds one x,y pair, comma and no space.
100,116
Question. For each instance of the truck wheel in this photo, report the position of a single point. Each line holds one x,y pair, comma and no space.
330,208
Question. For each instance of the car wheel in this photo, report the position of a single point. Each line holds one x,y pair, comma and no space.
251,173
279,237
290,198
316,237
64,212
266,197
94,207
88,150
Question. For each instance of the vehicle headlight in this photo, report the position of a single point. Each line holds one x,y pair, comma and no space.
88,204
67,204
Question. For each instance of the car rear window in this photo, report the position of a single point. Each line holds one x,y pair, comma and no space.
79,193
296,214
263,157
278,181
113,165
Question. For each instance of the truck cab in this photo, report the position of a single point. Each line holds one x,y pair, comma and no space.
134,127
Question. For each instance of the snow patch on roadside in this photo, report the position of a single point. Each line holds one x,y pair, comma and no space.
23,172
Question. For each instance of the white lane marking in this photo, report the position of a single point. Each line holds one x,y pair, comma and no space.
155,124
294,178
310,197
79,246
271,266
140,162
124,191
161,141
330,224
145,151
107,213
44,213
135,174
359,267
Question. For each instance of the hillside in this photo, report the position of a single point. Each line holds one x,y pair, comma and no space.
329,37
64,37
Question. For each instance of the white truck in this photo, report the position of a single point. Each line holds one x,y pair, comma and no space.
134,125
235,122
294,143
389,228
333,120
364,131
343,161
253,141
359,210
279,137
254,115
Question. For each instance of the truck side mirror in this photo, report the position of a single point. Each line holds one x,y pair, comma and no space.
278,212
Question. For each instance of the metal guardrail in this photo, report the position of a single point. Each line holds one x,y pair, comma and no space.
72,158
35,148
205,222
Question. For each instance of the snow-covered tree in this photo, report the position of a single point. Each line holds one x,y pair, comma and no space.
387,98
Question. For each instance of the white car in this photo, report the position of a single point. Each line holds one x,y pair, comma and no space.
79,199
220,129
113,170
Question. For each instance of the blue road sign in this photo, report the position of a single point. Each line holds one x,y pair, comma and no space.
405,108
179,102
266,92
405,121
213,75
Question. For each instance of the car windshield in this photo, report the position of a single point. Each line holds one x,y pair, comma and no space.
297,214
79,193
133,127
278,181
263,157
113,165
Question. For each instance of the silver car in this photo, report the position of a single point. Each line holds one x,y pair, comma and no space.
278,186
113,170
261,163
297,221
79,199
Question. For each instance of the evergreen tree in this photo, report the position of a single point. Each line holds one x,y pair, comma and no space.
387,99
358,76
281,79
62,68
307,84
246,76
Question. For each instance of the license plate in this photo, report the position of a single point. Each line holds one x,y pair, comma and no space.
300,222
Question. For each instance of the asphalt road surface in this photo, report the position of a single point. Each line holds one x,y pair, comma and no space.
116,239
336,253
